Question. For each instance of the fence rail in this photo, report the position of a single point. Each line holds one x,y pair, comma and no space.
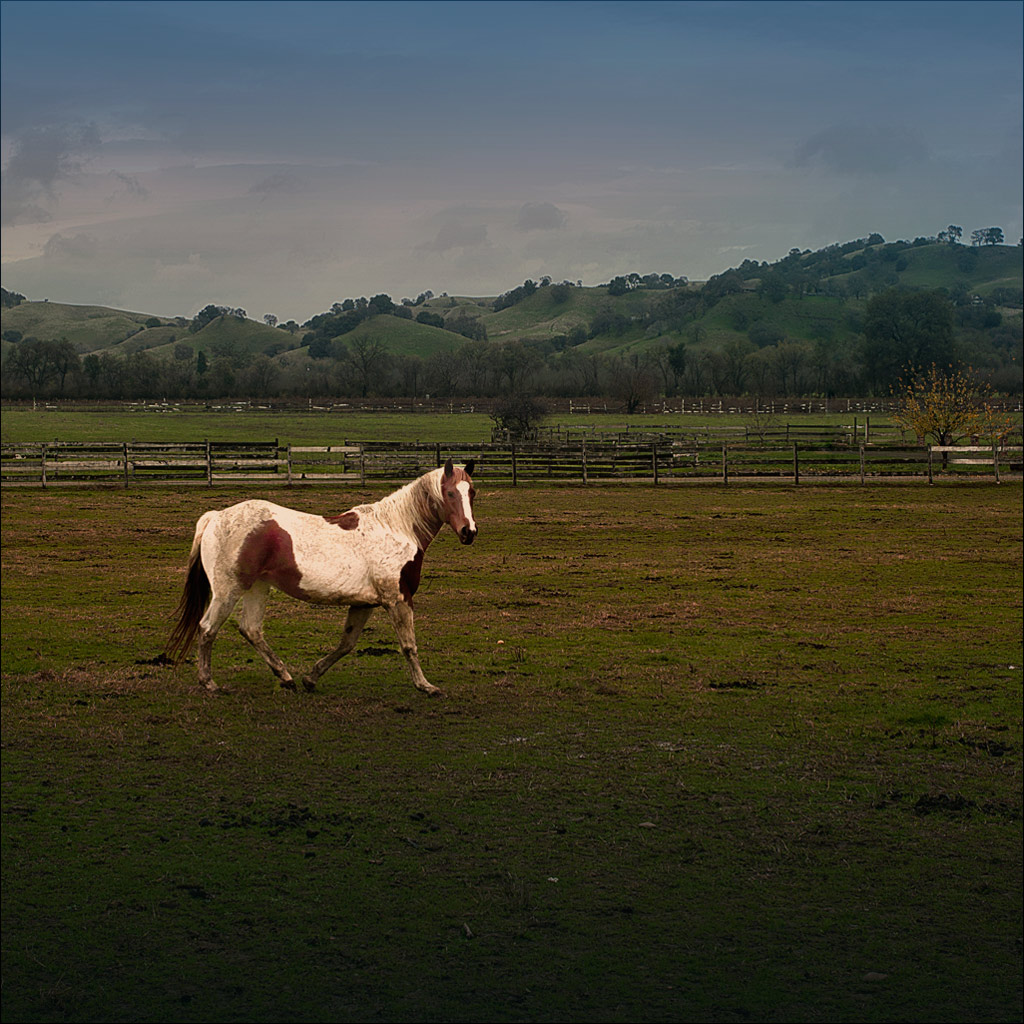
586,460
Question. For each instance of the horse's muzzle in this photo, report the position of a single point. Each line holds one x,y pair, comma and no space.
466,535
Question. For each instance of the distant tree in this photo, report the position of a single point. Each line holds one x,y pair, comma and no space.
951,236
66,363
906,330
201,363
381,304
321,348
944,406
206,316
987,236
516,295
773,287
33,363
633,382
9,299
430,318
262,377
471,327
517,416
765,333
368,357
514,365
560,293
154,321
269,319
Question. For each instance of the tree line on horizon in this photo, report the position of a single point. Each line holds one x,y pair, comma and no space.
888,330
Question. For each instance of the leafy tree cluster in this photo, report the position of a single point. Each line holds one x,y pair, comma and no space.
210,313
515,296
625,283
9,299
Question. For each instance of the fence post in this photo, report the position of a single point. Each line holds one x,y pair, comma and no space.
796,462
930,481
42,466
583,450
209,465
289,463
862,464
515,478
437,455
654,462
125,452
725,465
362,467
995,460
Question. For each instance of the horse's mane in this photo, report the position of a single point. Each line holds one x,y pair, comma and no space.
413,509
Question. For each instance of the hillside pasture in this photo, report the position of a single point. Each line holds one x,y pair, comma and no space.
706,755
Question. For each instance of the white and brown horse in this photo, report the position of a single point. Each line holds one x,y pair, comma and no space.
366,558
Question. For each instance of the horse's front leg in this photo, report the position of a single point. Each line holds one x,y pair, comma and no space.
401,616
354,622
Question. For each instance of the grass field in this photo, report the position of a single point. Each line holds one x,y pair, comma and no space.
705,755
188,423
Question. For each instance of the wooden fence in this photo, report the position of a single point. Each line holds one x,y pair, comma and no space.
584,461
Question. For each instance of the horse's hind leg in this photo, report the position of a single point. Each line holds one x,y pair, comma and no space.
216,615
250,625
354,622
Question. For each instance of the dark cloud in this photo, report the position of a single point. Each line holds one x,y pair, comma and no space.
71,247
540,217
41,159
128,184
860,149
456,236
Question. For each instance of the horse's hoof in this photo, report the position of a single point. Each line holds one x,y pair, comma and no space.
287,684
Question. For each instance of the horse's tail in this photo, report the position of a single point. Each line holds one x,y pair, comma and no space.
193,601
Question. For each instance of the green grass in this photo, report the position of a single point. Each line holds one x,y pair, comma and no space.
88,328
229,423
706,754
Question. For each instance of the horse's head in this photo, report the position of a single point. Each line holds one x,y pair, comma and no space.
457,495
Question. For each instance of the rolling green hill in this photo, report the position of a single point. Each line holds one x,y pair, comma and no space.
814,297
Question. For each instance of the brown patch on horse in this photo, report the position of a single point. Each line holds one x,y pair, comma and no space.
267,554
347,520
409,578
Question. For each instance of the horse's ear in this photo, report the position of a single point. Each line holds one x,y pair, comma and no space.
449,469
469,467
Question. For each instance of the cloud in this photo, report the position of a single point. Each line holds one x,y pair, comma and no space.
453,235
71,247
40,160
129,185
540,217
277,184
862,149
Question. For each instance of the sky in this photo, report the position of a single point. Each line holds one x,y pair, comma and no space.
282,156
